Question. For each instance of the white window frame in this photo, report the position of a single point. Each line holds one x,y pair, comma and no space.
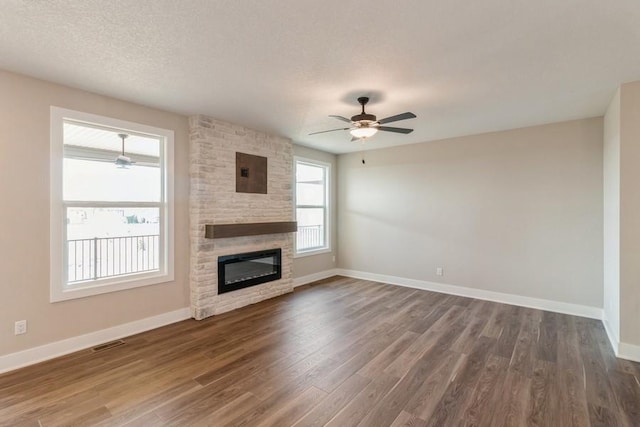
58,289
327,206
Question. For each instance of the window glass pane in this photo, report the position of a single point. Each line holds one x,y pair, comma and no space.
108,242
310,185
306,172
85,180
310,228
90,171
310,194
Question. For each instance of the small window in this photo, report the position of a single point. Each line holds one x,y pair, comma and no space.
312,206
111,205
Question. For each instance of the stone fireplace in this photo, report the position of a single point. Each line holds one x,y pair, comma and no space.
213,200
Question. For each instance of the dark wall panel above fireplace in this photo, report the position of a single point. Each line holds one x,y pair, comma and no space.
251,173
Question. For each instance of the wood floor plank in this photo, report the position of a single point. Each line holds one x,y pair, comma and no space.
361,356
524,352
448,411
284,392
263,384
602,417
341,352
464,343
352,414
90,417
450,408
249,361
509,335
405,419
598,387
498,318
424,402
334,402
571,380
627,395
225,414
425,323
437,340
491,378
542,403
147,420
129,406
293,409
344,347
390,406
547,345
512,402
388,355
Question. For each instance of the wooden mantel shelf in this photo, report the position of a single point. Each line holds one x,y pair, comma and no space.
219,231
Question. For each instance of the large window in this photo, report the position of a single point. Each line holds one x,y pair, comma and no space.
312,206
111,205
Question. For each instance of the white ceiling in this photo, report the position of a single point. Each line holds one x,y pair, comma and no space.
463,67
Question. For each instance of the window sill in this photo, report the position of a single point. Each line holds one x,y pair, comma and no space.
59,294
312,252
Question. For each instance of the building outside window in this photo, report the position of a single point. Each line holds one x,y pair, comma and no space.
111,205
312,206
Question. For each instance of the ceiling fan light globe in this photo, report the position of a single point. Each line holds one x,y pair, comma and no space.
363,132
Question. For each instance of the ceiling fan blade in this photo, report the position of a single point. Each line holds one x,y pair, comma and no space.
330,130
353,138
344,119
397,117
396,130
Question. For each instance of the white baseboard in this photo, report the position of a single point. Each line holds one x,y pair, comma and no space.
622,350
299,281
629,351
611,334
541,304
34,355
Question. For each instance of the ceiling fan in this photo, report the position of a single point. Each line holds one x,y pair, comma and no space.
123,161
365,125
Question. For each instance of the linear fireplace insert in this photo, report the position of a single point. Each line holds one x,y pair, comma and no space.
249,269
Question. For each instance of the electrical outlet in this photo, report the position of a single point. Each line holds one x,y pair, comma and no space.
334,258
20,327
439,271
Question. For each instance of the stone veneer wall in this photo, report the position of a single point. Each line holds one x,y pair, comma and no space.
213,200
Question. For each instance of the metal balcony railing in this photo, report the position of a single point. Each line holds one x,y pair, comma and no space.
309,237
102,257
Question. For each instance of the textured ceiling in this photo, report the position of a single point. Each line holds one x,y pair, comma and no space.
280,66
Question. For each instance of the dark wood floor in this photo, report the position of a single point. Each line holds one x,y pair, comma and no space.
342,352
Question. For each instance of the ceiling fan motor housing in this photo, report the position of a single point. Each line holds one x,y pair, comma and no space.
363,118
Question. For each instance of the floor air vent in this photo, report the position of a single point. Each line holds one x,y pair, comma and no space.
107,346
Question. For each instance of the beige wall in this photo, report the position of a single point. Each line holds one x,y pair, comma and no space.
518,212
24,218
611,194
630,213
303,266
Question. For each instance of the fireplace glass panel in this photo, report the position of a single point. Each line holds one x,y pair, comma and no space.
248,269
